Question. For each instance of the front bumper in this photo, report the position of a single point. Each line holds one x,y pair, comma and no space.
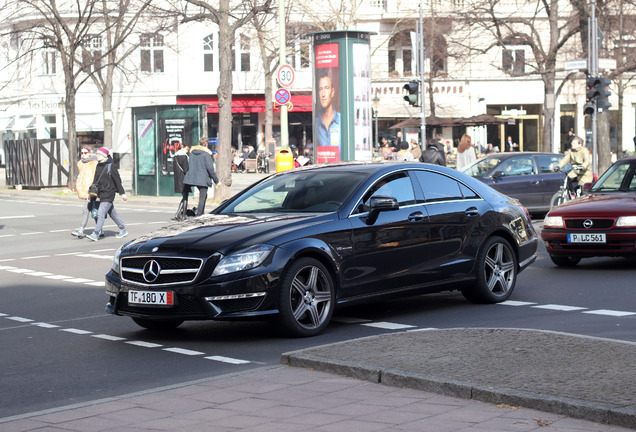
618,243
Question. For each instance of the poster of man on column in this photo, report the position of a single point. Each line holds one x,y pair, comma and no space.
327,129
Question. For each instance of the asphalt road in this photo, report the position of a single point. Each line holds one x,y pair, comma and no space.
59,347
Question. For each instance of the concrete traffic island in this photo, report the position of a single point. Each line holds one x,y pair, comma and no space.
581,377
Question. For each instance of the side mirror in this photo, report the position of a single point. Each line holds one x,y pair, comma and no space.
379,204
587,187
498,174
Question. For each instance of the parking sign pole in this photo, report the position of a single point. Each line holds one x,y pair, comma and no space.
284,134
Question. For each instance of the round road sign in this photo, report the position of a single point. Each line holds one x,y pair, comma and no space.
282,96
285,75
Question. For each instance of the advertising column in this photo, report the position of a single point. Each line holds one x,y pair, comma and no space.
342,106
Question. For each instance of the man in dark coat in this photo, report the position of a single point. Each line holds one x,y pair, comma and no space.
108,181
200,171
434,153
180,168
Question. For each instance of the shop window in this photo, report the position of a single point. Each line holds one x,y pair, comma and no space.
152,53
378,4
208,53
401,60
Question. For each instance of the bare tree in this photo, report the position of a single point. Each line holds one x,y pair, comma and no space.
229,17
542,27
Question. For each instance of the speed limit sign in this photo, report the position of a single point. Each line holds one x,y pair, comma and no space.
285,75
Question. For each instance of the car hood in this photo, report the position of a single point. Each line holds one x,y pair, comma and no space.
599,204
211,233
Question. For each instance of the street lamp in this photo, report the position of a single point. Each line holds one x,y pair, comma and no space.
376,105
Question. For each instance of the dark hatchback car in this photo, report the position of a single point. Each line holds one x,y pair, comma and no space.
527,176
298,243
600,223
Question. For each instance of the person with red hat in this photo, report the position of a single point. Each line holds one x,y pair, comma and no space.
108,183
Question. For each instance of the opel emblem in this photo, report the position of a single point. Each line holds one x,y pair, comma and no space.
587,223
151,271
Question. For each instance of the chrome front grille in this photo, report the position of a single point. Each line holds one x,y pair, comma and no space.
153,270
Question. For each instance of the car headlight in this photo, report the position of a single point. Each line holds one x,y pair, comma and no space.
244,259
626,221
553,222
115,265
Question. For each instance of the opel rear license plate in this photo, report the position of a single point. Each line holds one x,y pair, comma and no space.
151,298
586,238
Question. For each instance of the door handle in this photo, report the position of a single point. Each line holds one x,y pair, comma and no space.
416,217
472,212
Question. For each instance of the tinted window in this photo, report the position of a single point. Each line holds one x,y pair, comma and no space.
438,187
467,192
397,185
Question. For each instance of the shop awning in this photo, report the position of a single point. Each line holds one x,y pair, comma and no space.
246,103
89,122
479,120
22,124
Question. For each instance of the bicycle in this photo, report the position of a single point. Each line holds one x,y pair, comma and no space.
564,193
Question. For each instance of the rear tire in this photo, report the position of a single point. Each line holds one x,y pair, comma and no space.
496,272
306,299
158,324
565,261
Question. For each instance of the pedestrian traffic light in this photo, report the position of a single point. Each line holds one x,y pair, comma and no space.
603,94
413,89
589,108
592,88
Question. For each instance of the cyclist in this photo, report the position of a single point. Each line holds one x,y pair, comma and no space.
579,158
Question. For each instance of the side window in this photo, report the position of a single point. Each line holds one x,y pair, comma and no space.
467,192
438,187
398,186
518,166
547,163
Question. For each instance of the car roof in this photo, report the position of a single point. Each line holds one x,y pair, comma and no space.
508,155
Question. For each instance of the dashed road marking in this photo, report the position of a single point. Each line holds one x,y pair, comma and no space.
559,307
227,360
19,319
516,303
76,331
183,351
144,344
108,337
388,325
610,313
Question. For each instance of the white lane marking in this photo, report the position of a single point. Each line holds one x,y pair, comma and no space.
78,280
99,284
516,303
103,250
59,230
183,351
7,267
67,254
108,337
17,217
388,326
3,315
144,344
423,329
32,233
40,274
19,319
19,270
104,257
349,320
559,307
227,360
76,331
7,235
609,313
58,277
36,257
45,325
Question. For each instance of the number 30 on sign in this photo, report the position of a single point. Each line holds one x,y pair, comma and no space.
285,75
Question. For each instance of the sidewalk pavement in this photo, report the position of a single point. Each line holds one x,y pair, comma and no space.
433,380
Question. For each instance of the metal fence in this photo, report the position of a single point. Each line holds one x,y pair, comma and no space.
36,163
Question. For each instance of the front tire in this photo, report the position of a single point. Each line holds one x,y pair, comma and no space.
306,299
557,199
157,324
565,261
496,272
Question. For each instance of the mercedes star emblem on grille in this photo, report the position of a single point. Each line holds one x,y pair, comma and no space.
151,271
587,223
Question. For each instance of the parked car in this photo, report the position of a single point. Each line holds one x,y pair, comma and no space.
300,242
600,223
527,176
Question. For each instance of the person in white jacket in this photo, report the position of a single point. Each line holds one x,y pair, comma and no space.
465,152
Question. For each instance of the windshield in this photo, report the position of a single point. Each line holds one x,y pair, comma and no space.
481,167
618,178
304,191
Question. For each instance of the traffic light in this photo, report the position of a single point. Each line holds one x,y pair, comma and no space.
592,88
413,89
603,94
589,108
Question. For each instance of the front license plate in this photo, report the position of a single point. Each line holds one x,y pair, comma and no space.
586,238
151,298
